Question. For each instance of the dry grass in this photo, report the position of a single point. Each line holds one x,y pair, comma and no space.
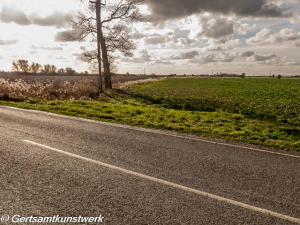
85,89
137,82
47,90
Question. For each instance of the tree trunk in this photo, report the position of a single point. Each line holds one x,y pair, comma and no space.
98,12
107,74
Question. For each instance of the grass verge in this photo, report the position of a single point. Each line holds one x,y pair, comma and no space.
228,126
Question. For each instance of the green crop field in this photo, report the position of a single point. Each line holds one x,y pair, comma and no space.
259,98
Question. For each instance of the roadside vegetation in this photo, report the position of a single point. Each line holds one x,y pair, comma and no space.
20,90
84,89
252,110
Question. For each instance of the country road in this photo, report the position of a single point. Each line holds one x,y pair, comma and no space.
56,165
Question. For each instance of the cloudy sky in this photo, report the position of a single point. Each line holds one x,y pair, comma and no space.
183,37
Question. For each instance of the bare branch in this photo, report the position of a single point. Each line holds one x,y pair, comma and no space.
112,34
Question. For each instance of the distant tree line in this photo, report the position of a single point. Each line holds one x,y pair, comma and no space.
23,66
243,75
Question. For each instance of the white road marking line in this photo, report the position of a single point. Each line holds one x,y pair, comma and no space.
154,132
173,185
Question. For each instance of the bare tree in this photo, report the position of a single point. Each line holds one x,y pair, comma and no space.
46,69
61,71
35,67
92,58
53,69
23,65
15,67
112,66
70,71
110,33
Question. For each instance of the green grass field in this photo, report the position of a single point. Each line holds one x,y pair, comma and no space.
259,98
257,111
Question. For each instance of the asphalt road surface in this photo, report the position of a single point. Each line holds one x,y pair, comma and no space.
54,165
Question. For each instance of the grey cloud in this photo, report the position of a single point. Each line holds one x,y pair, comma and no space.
223,26
295,19
272,10
216,48
138,35
162,62
78,55
182,33
291,64
267,37
16,16
209,58
57,19
152,37
247,54
172,9
216,57
176,38
261,58
289,34
229,45
228,60
185,55
144,57
189,55
274,60
155,40
132,60
8,42
68,35
216,28
297,43
185,42
48,48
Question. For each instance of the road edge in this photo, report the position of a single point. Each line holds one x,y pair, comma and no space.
169,133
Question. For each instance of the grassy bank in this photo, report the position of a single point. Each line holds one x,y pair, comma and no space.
218,124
